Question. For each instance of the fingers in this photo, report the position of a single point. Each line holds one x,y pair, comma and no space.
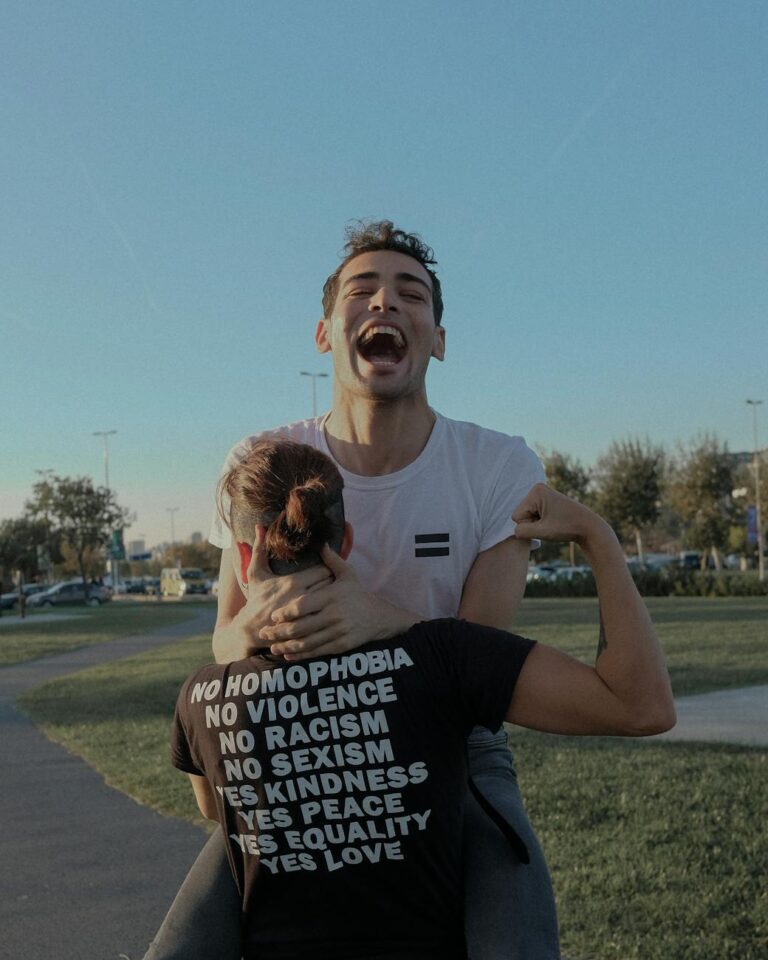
300,607
340,569
320,644
258,568
531,506
291,630
526,531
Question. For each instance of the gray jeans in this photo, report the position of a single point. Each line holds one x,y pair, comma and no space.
509,906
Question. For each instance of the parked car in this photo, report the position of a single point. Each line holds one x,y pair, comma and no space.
541,572
195,580
71,592
148,586
121,587
567,574
172,584
9,600
689,559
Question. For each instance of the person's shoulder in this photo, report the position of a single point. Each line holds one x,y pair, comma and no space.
209,672
483,440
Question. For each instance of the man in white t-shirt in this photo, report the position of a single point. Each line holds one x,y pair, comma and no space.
431,501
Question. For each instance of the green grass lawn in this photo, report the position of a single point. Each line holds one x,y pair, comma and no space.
658,851
81,626
709,643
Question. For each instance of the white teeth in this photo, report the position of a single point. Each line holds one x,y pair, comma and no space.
392,331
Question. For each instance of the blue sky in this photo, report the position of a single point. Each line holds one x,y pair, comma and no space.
175,179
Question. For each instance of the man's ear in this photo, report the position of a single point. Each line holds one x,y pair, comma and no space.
322,336
346,543
245,551
438,343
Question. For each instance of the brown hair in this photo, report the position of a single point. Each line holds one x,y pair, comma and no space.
365,236
292,489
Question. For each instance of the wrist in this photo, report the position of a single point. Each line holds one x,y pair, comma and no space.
402,621
598,538
393,620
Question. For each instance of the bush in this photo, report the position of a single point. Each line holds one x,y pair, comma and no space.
662,582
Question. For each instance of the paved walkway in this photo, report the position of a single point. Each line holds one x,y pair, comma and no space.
728,716
87,873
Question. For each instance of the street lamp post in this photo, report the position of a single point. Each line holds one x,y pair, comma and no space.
314,376
758,505
114,565
105,434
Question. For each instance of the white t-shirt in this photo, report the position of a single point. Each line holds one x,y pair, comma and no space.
418,531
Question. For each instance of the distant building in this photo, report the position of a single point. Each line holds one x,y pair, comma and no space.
135,546
196,537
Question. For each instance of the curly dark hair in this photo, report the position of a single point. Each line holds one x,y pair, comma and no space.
364,236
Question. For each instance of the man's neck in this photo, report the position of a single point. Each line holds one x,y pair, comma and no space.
372,439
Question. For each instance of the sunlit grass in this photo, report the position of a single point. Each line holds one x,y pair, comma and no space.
82,626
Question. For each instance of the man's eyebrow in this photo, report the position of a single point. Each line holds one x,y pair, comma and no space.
372,275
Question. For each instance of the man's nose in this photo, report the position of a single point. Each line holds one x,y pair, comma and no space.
383,301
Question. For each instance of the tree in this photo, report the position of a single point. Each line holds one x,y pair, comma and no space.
202,555
630,481
21,542
567,476
701,492
81,514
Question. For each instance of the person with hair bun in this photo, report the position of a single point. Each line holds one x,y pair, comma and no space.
339,780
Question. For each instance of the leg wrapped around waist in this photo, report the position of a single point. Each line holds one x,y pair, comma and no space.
510,906
204,921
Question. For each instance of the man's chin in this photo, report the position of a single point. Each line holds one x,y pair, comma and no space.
385,384
388,391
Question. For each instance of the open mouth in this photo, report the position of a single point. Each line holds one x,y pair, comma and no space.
382,346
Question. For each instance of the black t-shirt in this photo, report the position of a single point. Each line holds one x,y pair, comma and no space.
340,785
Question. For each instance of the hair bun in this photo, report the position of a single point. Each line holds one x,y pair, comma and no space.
302,525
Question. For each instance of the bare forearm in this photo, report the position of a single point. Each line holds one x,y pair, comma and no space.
629,657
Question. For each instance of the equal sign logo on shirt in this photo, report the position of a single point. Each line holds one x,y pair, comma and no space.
432,538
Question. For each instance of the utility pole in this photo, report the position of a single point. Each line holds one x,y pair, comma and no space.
758,505
114,565
172,510
314,376
105,434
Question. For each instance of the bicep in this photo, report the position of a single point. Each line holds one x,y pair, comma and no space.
558,694
204,796
495,584
231,598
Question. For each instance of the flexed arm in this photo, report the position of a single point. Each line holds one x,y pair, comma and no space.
627,692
